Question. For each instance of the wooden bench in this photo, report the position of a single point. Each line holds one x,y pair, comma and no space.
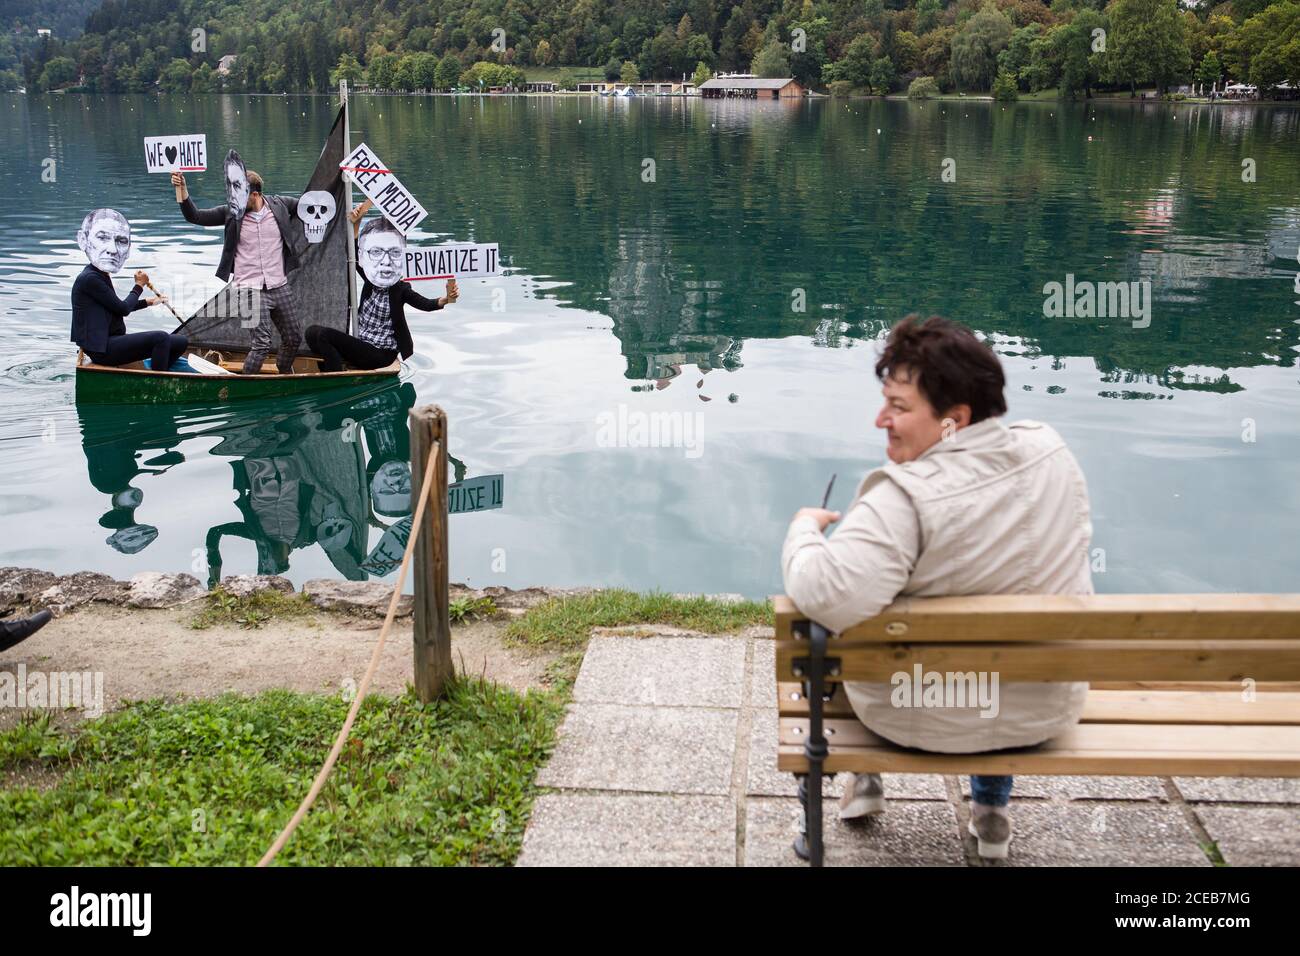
1204,685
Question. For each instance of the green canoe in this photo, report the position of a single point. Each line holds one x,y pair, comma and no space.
136,385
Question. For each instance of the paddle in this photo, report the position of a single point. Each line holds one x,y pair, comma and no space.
165,302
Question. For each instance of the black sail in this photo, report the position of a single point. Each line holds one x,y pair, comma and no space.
320,283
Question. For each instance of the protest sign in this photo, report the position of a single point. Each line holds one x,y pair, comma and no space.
476,494
176,154
465,260
380,186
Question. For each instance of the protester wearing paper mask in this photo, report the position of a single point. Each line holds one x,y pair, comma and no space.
256,256
98,315
382,333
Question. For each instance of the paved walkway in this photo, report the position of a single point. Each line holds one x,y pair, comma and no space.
667,756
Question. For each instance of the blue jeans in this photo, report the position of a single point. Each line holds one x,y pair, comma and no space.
991,791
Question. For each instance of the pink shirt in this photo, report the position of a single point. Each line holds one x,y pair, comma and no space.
259,257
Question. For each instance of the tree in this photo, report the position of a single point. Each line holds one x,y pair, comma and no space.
57,73
348,69
1147,43
382,71
927,15
567,82
448,72
176,77
702,75
407,77
1211,70
855,66
1080,67
1266,48
613,69
922,88
542,54
1004,87
202,80
882,75
976,46
772,61
629,74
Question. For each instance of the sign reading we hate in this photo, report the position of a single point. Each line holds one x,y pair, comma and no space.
377,182
176,154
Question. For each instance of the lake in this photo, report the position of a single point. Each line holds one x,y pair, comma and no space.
721,270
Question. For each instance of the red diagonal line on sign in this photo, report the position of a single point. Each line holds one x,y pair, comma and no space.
419,278
364,169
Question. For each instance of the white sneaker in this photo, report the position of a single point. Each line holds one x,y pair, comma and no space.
864,796
991,828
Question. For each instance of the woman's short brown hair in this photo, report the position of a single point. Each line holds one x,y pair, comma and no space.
948,363
254,182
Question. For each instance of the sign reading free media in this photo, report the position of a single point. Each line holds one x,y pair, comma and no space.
377,182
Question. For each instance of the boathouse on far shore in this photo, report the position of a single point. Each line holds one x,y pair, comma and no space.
751,88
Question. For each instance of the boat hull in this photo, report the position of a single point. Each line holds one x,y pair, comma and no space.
101,384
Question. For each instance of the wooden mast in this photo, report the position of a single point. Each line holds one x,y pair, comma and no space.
347,208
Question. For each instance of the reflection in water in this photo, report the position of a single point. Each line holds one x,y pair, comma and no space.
305,474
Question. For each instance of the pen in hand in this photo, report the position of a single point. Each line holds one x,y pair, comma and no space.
827,497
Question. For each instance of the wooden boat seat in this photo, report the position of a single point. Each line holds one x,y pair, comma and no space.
1188,685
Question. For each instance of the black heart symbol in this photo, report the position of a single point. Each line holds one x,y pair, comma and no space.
171,154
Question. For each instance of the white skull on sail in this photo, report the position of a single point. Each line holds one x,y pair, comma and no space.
316,210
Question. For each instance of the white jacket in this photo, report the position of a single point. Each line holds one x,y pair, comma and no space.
995,509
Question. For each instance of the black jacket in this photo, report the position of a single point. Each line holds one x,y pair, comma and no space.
399,295
97,312
282,208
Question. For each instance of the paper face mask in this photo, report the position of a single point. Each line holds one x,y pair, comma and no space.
316,210
105,238
236,184
382,251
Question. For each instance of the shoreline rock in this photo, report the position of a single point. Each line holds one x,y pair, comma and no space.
26,590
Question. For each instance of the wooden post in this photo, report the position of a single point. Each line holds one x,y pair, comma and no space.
433,667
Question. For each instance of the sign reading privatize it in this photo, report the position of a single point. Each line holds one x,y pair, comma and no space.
476,494
377,182
176,154
456,260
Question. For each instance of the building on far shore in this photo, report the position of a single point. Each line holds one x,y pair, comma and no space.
749,87
225,63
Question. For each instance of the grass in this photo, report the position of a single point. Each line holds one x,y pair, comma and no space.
222,607
567,622
211,782
467,608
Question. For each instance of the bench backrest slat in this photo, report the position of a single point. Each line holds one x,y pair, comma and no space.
1061,617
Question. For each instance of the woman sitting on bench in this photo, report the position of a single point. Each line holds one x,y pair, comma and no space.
965,505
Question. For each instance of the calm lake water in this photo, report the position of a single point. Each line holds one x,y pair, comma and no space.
678,295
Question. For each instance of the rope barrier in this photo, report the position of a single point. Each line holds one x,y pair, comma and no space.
319,783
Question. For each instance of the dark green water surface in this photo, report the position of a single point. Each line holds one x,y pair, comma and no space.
679,297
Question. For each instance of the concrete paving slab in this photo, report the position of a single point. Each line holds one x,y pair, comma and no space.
762,675
907,834
1099,834
1084,788
662,671
622,829
1239,789
1254,836
647,749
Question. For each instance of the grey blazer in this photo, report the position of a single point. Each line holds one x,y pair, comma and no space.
282,208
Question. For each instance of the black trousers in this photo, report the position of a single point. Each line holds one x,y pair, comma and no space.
162,347
336,347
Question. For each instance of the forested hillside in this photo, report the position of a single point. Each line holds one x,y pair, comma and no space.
880,45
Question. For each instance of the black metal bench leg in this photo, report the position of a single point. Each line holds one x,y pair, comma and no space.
808,845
